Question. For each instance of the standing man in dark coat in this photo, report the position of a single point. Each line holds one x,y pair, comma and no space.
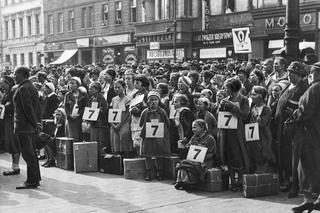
26,124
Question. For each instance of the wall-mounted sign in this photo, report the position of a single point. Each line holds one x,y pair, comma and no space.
107,59
165,54
53,46
113,39
154,45
130,58
280,22
215,38
241,40
213,53
129,48
83,42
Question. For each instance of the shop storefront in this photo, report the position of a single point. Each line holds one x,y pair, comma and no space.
267,39
117,49
61,53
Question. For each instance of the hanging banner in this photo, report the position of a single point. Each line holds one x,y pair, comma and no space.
241,40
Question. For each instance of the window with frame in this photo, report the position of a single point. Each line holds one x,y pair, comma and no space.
22,59
105,13
37,21
188,8
29,25
60,22
30,59
83,17
71,21
13,24
14,60
21,27
118,12
133,10
90,17
50,24
6,28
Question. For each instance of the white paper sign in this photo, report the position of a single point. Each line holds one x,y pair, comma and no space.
75,110
241,40
197,153
227,121
172,110
2,108
90,114
154,130
114,115
252,132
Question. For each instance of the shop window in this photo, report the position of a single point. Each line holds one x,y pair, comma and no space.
83,17
13,24
29,25
50,24
21,27
105,14
60,22
37,20
118,12
133,11
90,17
71,21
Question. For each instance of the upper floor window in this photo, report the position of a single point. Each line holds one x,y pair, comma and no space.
60,22
29,25
21,27
90,17
105,13
118,12
188,8
133,11
83,17
5,2
37,21
13,24
6,28
71,20
268,3
50,24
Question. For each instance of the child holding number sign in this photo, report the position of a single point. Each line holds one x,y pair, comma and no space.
189,171
99,128
259,149
120,134
155,134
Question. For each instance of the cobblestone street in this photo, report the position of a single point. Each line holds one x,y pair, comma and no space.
66,191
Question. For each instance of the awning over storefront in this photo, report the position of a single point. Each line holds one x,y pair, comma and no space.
65,56
302,45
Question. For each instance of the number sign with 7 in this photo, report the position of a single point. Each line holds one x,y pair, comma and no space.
197,153
227,121
154,130
90,114
114,115
252,132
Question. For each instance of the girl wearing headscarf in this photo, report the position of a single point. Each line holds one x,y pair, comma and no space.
189,172
154,147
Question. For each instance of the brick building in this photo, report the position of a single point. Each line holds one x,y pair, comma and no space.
91,31
22,32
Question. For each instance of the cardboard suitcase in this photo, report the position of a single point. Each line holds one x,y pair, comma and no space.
257,185
64,153
134,168
85,156
213,181
112,164
170,164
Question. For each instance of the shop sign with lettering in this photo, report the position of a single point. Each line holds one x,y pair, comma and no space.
215,38
280,22
165,54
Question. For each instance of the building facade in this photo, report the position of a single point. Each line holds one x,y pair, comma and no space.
22,32
94,31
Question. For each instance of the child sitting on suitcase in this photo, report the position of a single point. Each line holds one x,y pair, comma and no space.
155,138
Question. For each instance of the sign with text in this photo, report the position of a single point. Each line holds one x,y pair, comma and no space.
241,40
90,114
197,153
154,130
154,45
252,132
165,54
114,115
215,38
227,121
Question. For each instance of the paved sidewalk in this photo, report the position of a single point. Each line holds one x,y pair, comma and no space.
65,191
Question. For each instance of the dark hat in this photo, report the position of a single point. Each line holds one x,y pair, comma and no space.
298,68
96,85
9,80
143,79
